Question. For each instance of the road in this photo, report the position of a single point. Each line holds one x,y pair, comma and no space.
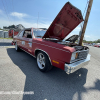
19,72
5,42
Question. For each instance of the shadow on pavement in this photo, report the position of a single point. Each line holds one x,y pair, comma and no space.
5,44
96,87
53,85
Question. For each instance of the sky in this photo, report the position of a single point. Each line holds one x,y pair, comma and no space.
30,12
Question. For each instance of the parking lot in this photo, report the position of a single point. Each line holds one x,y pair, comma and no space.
19,72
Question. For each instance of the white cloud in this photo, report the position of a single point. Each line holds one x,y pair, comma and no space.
78,28
90,37
19,15
5,22
87,36
1,11
26,23
30,24
33,23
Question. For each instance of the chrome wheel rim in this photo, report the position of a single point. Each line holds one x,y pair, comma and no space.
16,46
41,61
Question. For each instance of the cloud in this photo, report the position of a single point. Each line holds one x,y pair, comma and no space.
5,22
32,22
87,36
91,37
27,24
77,29
21,20
18,15
1,11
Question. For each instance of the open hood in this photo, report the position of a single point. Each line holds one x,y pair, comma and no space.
67,19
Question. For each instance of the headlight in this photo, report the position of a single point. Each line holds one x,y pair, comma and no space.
74,56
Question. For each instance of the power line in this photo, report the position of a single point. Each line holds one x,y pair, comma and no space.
8,11
5,11
86,7
13,7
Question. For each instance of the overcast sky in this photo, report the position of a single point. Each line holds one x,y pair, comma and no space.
26,12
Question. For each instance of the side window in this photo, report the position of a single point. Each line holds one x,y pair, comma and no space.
27,34
21,34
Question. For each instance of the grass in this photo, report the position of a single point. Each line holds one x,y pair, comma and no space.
6,38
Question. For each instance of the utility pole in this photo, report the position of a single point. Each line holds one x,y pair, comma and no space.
86,21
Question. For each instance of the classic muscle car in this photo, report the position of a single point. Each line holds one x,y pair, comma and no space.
49,46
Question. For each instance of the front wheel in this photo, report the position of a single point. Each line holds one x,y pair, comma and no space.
43,62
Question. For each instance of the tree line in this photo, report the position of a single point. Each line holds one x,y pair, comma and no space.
96,41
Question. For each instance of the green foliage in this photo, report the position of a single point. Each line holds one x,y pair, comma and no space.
11,26
96,41
3,29
6,38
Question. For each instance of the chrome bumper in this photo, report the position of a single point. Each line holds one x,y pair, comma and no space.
70,68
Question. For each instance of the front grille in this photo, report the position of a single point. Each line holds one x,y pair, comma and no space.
82,55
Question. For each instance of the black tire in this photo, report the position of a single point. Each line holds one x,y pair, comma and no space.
16,47
47,66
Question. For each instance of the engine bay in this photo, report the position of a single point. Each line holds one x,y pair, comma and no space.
74,45
71,42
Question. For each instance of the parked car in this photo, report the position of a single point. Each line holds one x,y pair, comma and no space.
48,46
90,44
97,45
93,44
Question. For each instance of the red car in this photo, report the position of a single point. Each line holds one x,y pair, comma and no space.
97,45
49,46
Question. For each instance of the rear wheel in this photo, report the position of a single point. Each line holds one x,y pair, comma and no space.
43,62
16,47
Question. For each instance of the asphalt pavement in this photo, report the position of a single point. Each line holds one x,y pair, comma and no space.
19,72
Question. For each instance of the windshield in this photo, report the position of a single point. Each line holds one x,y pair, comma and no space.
39,33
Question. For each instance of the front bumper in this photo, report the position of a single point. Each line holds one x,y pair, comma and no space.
70,68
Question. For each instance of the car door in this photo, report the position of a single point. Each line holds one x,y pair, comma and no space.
29,45
28,40
20,42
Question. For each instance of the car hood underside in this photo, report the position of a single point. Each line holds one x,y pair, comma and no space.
67,19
